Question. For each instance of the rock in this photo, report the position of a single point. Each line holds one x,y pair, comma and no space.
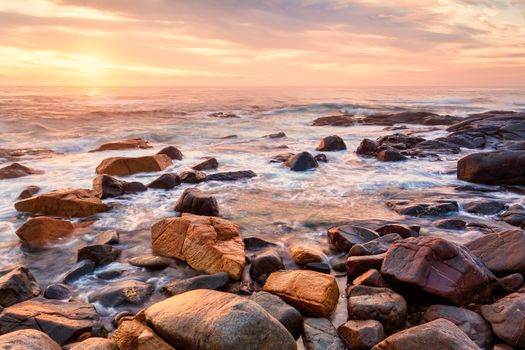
361,334
344,237
122,293
172,152
107,186
64,322
216,281
263,264
57,291
511,283
318,266
514,216
375,246
12,154
331,143
410,117
438,208
403,230
321,157
466,140
439,334
493,168
125,166
357,265
371,278
281,157
27,339
81,269
95,343
484,207
150,262
256,243
137,143
507,318
165,181
380,304
109,274
17,170
185,321
100,254
193,176
28,192
338,263
502,346
439,268
222,115
206,243
451,224
310,292
208,164
320,334
148,340
301,162
40,231
335,120
368,147
108,237
282,312
194,201
63,203
134,187
277,135
231,175
303,254
17,285
132,334
390,155
468,321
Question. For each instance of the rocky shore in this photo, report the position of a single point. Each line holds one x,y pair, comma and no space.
381,285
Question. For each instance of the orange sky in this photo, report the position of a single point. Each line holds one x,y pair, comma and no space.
262,42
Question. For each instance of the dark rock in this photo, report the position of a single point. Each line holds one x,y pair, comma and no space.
232,175
109,274
411,117
108,237
507,318
57,291
335,120
17,285
194,201
135,143
361,334
107,186
318,266
122,293
81,269
134,187
375,246
357,265
514,216
165,181
277,135
208,164
115,321
281,157
493,168
28,192
256,243
264,263
344,237
150,262
338,263
216,281
371,278
403,230
222,115
281,311
100,254
17,170
331,143
320,334
484,207
301,162
25,339
390,155
321,157
172,152
511,283
193,176
438,208
474,139
368,147
399,141
451,224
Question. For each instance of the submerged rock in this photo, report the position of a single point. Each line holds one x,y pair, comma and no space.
231,175
404,231
368,147
28,192
320,334
27,339
125,166
301,162
484,207
437,208
57,291
17,170
122,293
100,254
107,186
172,152
493,168
390,155
331,143
194,201
150,262
208,164
17,285
81,269
41,231
137,143
165,181
514,216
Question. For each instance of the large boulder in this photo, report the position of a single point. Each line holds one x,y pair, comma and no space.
122,293
310,292
320,334
67,203
503,253
133,334
17,285
64,322
493,168
331,143
439,334
206,243
194,201
124,166
27,339
17,170
301,162
438,267
40,231
205,319
137,143
507,318
345,237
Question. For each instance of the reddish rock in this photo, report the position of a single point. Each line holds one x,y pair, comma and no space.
17,285
172,152
194,201
507,318
344,237
390,155
28,192
208,164
376,246
331,143
493,168
368,147
27,339
301,162
437,208
165,181
335,120
403,230
41,231
137,143
124,166
17,170
357,265
371,278
361,334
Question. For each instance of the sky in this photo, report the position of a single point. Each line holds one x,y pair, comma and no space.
263,42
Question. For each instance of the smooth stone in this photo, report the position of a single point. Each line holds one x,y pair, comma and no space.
41,231
361,334
150,262
331,143
232,175
125,166
493,168
193,176
376,246
208,164
338,263
318,266
507,318
133,334
194,201
81,269
95,343
109,274
28,192
136,143
438,208
357,265
172,152
484,207
320,334
371,278
100,254
511,283
390,155
216,281
303,254
17,285
344,237
122,293
281,311
450,224
301,162
404,231
165,181
57,291
256,243
108,237
368,147
27,339
264,263
514,216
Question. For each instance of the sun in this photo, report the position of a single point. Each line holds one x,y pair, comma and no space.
91,66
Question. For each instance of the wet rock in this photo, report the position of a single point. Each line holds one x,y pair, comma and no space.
281,157
411,117
301,162
503,252
185,321
380,304
344,237
282,312
132,334
438,267
232,175
390,155
403,230
12,154
303,254
256,243
493,168
107,186
194,201
338,263
122,293
375,246
100,254
357,265
172,152
208,164
371,278
321,157
57,291
331,143
109,274
511,283
27,339
193,176
438,208
318,266
17,285
222,115
150,262
320,334
125,166
451,224
399,141
277,135
165,181
148,340
17,170
484,207
468,321
361,334
41,231
206,243
216,281
81,269
264,263
134,187
63,321
368,147
310,292
514,216
28,192
137,143
335,120
507,318
469,140
438,334
95,343
108,237
63,203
